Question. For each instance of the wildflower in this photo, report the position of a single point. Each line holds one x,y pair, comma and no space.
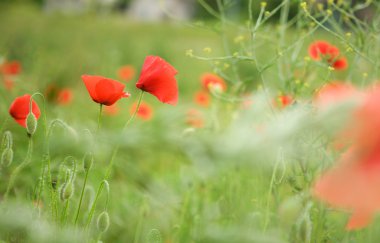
322,50
158,78
104,91
145,111
202,98
283,101
332,93
10,68
210,80
65,96
20,109
194,118
112,110
353,184
126,73
8,83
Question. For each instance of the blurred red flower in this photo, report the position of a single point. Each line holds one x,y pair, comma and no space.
158,78
323,50
340,64
202,98
354,183
103,90
65,96
126,73
283,101
209,80
20,108
333,93
8,83
112,110
194,118
145,111
10,68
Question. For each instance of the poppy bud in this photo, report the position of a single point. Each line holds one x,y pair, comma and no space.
103,222
31,123
7,157
88,160
67,191
7,141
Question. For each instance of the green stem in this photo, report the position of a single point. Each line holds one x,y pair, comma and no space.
81,196
99,118
14,174
64,213
108,172
139,227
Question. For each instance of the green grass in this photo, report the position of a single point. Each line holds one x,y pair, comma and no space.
227,183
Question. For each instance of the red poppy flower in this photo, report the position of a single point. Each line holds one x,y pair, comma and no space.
323,50
209,80
283,101
126,73
10,68
65,96
333,93
145,111
103,90
20,108
340,64
354,183
202,98
112,110
8,83
194,118
158,78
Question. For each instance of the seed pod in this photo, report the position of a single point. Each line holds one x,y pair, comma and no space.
7,141
67,191
88,160
31,123
7,157
103,222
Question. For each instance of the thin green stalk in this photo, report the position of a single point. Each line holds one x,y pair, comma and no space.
14,174
99,118
108,172
139,227
64,213
81,196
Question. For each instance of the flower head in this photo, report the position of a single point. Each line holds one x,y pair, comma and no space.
145,111
332,93
10,68
202,98
103,90
323,50
353,184
210,80
20,109
126,73
158,78
65,96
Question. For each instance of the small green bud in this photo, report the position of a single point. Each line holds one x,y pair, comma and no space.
67,191
103,222
7,141
31,123
88,160
7,157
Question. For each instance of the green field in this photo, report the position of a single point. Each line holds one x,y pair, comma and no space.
246,176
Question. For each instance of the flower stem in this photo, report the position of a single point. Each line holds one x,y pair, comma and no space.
19,168
108,172
81,196
99,118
